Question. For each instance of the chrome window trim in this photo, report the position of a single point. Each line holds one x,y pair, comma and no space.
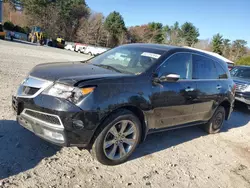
46,123
191,53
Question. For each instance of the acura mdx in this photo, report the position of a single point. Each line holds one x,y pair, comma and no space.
110,103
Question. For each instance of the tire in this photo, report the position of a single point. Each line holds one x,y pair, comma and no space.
90,53
113,153
215,124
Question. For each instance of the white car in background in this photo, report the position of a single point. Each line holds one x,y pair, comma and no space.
79,46
93,50
70,46
101,50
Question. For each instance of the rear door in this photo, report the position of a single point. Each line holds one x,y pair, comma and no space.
208,87
225,85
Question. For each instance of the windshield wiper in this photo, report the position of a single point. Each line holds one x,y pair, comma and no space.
108,67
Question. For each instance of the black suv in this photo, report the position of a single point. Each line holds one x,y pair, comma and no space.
111,102
241,77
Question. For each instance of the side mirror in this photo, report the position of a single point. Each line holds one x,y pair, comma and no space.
169,78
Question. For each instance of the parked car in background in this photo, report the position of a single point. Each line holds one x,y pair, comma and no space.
82,49
101,50
110,104
241,77
79,46
91,50
70,46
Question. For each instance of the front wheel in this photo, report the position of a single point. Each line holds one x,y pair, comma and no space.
118,138
215,124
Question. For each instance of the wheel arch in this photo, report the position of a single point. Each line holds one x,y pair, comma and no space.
226,104
135,110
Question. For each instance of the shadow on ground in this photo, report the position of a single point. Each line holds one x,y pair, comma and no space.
20,150
164,140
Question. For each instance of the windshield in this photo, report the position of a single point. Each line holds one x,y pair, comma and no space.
129,59
241,72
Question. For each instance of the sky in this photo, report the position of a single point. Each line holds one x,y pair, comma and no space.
231,18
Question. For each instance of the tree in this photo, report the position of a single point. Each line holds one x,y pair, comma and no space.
139,33
71,12
172,34
226,47
92,31
238,49
57,17
203,44
244,61
155,34
189,33
115,26
217,42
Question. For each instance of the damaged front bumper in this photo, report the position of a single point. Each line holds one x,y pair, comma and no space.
53,133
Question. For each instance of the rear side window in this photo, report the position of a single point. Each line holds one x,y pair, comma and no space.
203,68
180,64
222,74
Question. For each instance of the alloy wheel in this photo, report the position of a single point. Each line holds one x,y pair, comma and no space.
120,139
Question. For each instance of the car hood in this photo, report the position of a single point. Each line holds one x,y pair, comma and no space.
72,72
241,80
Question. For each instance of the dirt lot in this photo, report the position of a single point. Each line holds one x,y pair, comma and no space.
179,158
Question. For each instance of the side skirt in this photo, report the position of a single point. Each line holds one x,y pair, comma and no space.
151,131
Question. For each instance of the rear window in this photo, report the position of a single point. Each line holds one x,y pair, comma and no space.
203,68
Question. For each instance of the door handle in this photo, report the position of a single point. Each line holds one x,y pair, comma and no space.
189,89
218,87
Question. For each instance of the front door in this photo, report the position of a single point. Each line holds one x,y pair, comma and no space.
172,102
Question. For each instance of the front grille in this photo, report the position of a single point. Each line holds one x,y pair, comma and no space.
52,119
240,86
30,90
31,87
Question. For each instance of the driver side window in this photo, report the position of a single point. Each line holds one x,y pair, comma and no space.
180,64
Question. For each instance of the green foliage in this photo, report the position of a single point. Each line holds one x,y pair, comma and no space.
115,26
226,47
172,34
186,34
238,49
217,42
57,17
26,29
156,34
189,33
243,61
9,25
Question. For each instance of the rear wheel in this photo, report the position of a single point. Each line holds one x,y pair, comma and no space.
118,138
215,124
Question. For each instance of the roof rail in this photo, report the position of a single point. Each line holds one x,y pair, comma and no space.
211,53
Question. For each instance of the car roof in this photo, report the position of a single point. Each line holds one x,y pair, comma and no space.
152,46
213,54
177,48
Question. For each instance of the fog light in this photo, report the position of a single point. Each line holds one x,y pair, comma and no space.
53,135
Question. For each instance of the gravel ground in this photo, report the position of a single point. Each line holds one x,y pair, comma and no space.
180,158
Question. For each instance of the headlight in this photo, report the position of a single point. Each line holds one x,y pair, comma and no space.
70,93
247,89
